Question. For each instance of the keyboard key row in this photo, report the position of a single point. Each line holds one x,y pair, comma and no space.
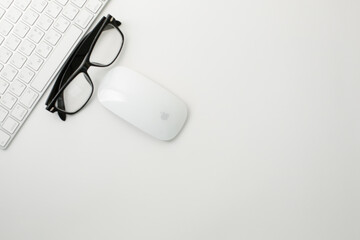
39,5
27,98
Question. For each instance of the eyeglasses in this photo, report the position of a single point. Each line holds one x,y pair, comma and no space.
73,87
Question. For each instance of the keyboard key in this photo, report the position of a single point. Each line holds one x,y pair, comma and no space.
45,22
2,12
8,73
62,24
5,27
43,49
10,125
22,4
6,3
36,34
39,5
26,75
5,54
12,42
62,2
28,98
70,12
79,3
18,60
13,15
3,113
4,138
8,100
30,17
19,112
17,88
27,47
83,19
21,29
3,86
1,39
52,37
53,9
93,5
35,62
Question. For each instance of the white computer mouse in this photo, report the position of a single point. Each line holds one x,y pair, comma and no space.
143,103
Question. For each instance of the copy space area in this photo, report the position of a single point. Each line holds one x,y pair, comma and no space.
270,150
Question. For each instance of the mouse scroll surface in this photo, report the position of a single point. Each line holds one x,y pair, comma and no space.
143,103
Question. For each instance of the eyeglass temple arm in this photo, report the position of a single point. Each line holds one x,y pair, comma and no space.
61,104
116,23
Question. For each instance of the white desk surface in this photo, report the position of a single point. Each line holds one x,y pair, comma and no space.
270,151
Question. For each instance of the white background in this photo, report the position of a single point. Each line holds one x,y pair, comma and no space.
270,151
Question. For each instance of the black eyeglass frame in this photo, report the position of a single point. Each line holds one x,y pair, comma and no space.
61,83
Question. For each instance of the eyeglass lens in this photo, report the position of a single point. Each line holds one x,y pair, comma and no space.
107,46
76,94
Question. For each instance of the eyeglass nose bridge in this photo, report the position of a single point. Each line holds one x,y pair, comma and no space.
86,64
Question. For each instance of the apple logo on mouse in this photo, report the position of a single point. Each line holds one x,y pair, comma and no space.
164,116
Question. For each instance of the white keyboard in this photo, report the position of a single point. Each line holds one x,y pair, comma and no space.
36,37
